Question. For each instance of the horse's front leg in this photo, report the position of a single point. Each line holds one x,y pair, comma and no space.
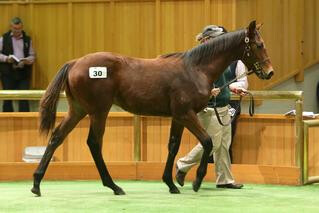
191,122
173,147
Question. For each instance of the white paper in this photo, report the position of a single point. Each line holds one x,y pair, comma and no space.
15,58
98,72
304,114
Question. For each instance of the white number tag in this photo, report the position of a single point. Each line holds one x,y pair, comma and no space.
98,72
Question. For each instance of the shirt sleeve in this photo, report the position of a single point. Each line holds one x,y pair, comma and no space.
32,54
241,82
3,58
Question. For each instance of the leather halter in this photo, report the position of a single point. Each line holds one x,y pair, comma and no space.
256,66
204,39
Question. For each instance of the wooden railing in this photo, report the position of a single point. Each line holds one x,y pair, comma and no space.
301,153
24,94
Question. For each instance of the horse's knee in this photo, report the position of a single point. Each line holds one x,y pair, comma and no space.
207,144
91,143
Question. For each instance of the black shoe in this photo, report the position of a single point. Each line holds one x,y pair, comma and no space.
230,186
180,177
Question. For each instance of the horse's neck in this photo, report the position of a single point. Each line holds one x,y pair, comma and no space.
218,65
221,61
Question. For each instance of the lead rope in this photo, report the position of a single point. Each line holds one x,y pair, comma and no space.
251,101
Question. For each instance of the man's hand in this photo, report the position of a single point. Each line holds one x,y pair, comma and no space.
20,64
239,91
26,61
215,91
10,59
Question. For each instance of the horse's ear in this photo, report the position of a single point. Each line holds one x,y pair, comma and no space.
252,25
259,26
251,29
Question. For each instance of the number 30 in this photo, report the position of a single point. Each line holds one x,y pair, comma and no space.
97,73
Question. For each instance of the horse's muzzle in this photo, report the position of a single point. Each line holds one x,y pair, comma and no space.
269,74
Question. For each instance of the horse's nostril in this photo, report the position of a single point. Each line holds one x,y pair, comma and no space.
270,74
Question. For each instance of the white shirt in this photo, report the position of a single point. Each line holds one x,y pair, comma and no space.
241,82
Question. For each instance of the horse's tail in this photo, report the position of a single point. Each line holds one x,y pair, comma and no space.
49,100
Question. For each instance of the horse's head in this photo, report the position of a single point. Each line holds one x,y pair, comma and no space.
255,56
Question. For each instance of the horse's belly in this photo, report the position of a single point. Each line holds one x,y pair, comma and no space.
144,107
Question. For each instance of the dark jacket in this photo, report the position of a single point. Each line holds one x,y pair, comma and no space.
231,72
7,49
223,97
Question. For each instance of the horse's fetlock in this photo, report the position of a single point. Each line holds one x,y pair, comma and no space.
201,174
37,177
166,179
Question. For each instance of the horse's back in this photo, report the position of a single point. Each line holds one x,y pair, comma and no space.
140,86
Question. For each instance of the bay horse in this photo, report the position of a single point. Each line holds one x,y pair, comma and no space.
175,85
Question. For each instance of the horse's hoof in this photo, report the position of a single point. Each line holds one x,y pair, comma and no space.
180,177
196,185
36,191
119,191
174,191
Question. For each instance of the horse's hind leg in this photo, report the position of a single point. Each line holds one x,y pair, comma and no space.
56,139
94,141
173,146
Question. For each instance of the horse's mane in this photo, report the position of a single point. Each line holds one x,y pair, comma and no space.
177,54
203,53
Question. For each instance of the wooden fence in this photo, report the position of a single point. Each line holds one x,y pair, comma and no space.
267,148
67,29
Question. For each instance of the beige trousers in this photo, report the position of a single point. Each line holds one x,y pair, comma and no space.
221,137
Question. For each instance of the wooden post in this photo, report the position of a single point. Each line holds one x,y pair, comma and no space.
299,139
305,155
137,138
